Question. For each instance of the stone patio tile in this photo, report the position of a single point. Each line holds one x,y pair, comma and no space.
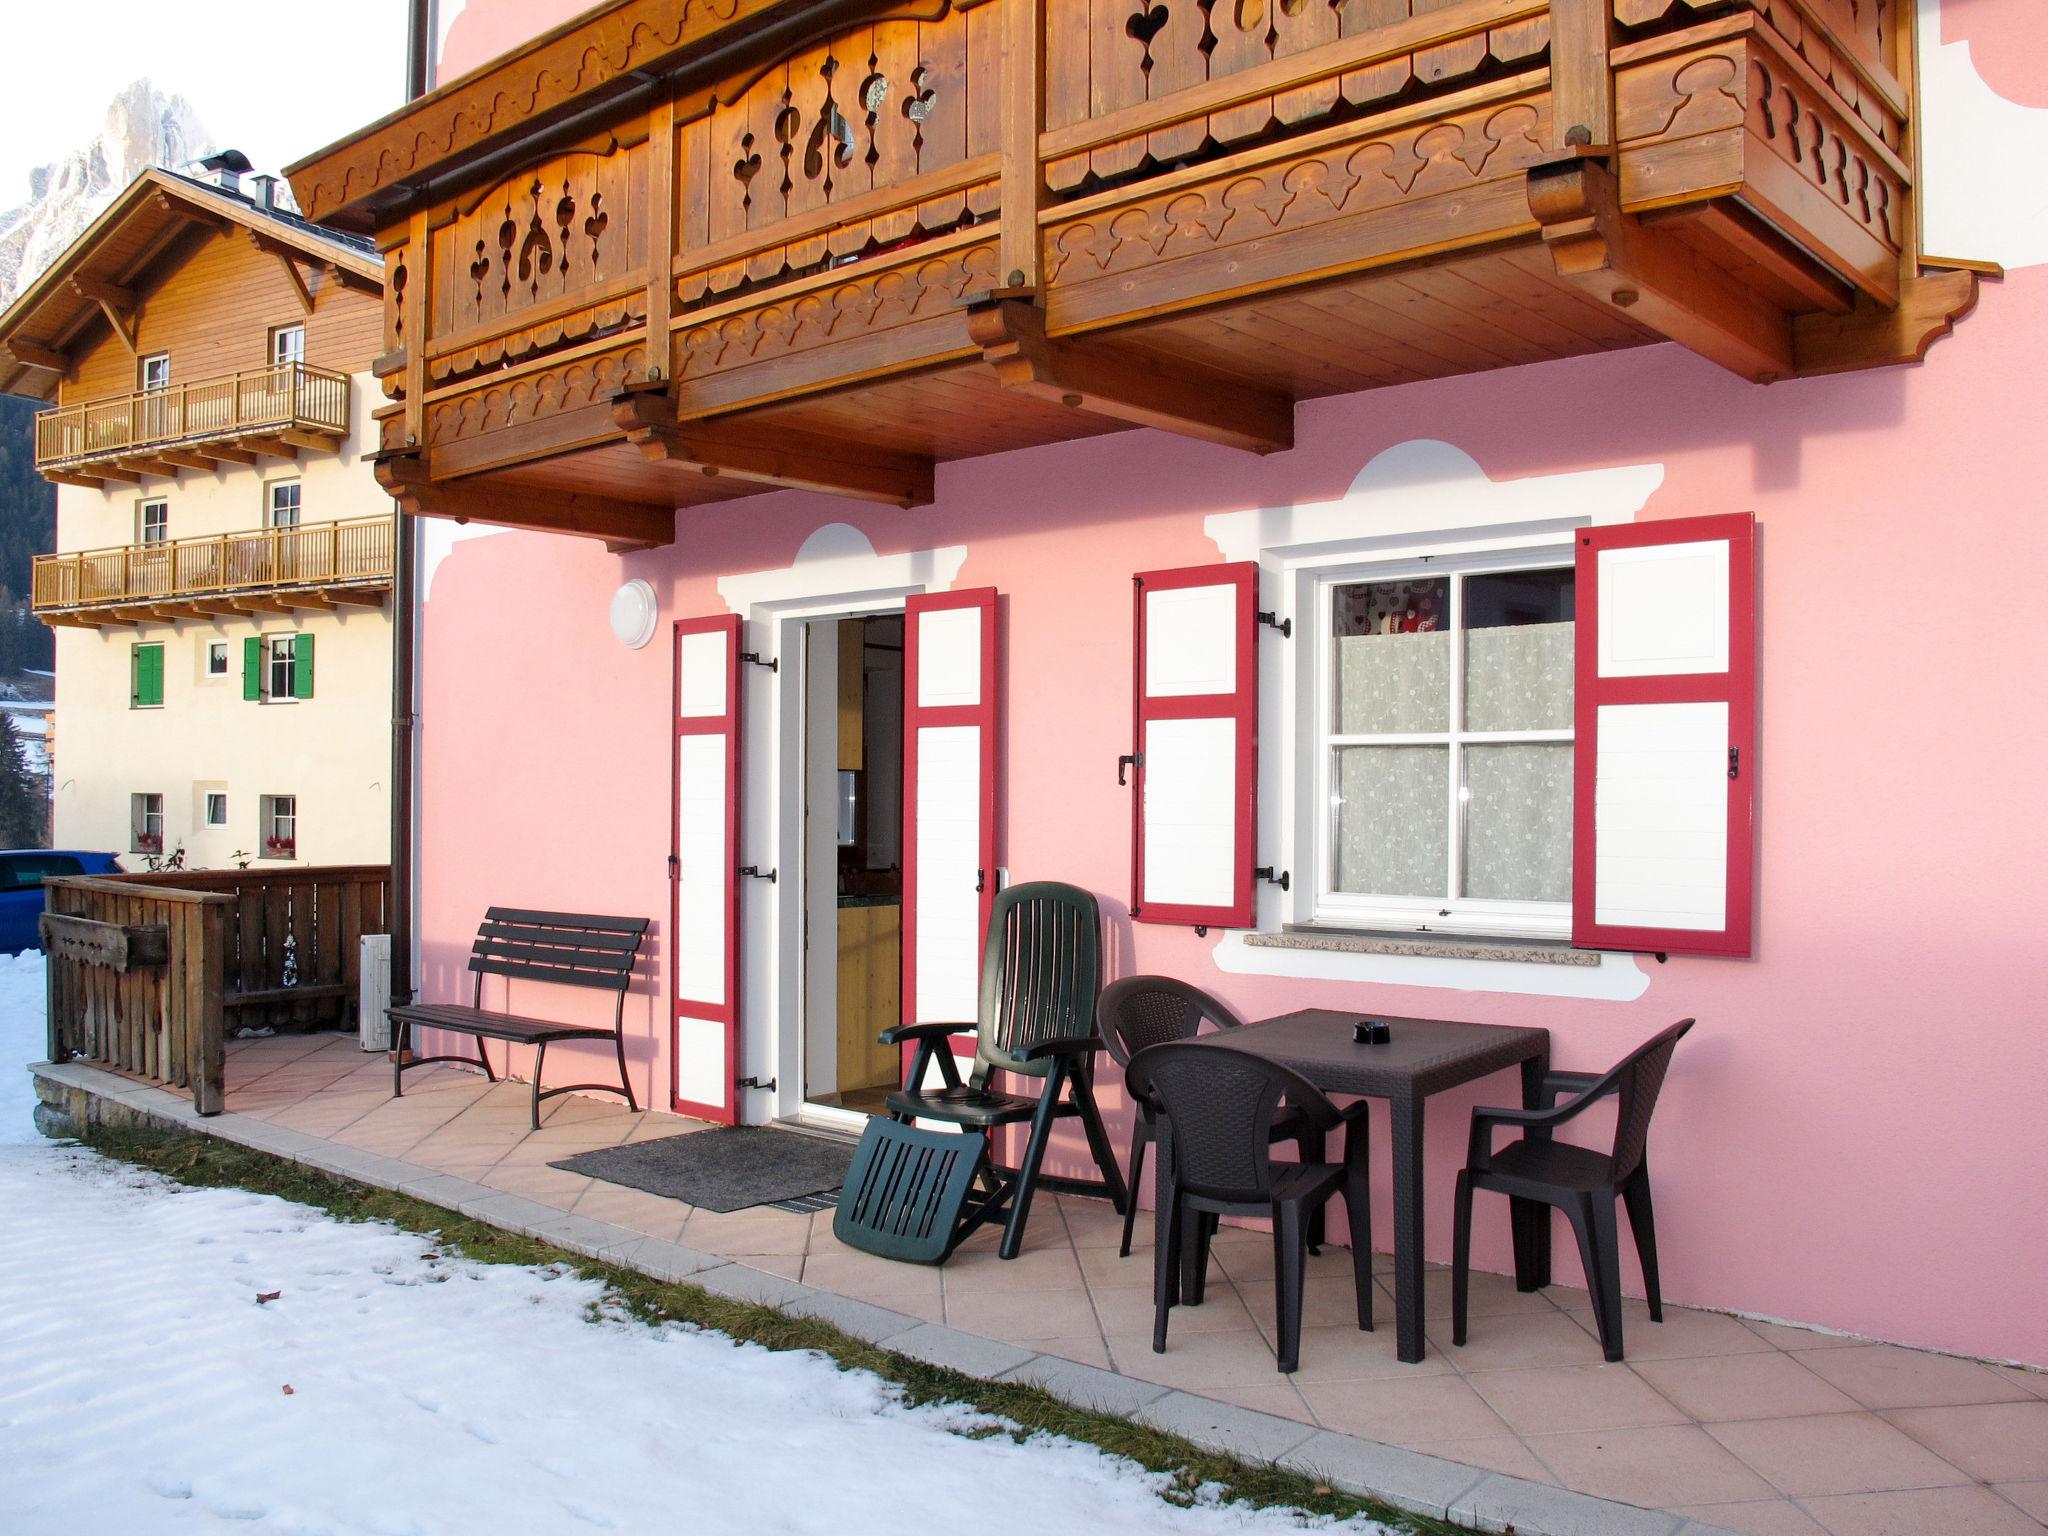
662,1260
743,1282
1095,1224
1128,1309
1885,1376
1344,1353
1657,1465
1194,1360
1327,1301
1794,1337
1242,1432
1717,1388
1995,1443
1533,1509
1499,1453
1831,1453
936,1344
1081,1349
550,1186
1046,1271
752,1231
788,1265
2027,1380
1105,1271
1251,1261
514,1213
1405,1412
910,1288
1922,1512
1683,1333
2032,1497
1518,1339
649,1214
1021,1318
1561,1399
1405,1479
1490,1295
1756,1517
443,1189
1085,1386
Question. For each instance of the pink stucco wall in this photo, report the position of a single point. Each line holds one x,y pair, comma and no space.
1854,1135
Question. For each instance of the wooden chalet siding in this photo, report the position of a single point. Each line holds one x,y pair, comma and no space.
213,313
1164,221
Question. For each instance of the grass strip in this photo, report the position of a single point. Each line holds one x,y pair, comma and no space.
209,1162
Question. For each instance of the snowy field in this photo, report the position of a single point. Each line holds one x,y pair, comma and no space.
145,1387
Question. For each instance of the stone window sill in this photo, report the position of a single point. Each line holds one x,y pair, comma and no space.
1427,946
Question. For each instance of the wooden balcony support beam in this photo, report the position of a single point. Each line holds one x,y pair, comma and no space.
213,608
221,453
359,597
623,525
33,355
1650,273
148,464
769,458
1873,336
84,478
1741,231
184,458
271,447
313,442
1091,376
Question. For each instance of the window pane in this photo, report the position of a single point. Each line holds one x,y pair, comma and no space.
1518,821
1518,651
1392,837
1393,656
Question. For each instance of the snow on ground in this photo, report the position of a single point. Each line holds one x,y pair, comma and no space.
144,1387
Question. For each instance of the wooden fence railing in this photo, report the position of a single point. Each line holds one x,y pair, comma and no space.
148,973
343,553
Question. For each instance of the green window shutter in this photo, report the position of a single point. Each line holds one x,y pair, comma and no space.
252,667
145,676
302,667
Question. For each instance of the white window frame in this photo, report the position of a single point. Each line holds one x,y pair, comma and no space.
145,364
279,355
222,649
213,822
162,522
145,818
278,811
286,657
271,507
1307,739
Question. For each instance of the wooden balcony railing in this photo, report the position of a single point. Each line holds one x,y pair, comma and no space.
285,398
352,555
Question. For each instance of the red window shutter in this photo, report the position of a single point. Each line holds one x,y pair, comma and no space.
950,748
704,874
1196,689
1664,787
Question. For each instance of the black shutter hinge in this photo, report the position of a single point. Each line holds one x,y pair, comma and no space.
1735,762
1265,872
758,873
755,1082
755,658
675,867
1128,760
1272,620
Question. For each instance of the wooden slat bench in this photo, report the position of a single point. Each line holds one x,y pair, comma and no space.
568,948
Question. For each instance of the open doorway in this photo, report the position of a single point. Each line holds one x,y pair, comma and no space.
853,860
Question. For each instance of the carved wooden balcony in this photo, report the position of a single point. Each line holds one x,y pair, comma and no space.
837,249
273,412
311,568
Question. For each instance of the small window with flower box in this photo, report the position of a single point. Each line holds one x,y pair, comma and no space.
280,826
146,823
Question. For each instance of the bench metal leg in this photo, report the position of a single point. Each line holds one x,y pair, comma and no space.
540,1057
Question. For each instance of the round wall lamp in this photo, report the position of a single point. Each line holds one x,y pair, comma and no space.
633,614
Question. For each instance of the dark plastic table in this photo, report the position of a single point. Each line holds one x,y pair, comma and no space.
1424,1057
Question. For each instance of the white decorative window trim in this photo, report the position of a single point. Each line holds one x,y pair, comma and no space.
839,564
1424,497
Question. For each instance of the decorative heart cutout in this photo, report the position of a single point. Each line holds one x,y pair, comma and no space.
1145,24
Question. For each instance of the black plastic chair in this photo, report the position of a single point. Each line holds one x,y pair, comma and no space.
1040,978
1580,1181
1219,1106
1143,1011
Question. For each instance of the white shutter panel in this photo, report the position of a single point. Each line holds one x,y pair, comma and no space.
1195,821
1662,853
949,768
704,944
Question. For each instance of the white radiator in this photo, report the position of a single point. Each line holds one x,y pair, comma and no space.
373,992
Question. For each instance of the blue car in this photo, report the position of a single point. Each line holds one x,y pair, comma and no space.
21,888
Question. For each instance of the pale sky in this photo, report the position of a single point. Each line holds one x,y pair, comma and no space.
271,78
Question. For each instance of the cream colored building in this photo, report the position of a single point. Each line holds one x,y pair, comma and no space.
221,583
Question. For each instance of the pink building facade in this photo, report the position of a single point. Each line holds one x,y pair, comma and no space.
1852,1135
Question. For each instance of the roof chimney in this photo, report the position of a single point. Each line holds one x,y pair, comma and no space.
263,189
226,169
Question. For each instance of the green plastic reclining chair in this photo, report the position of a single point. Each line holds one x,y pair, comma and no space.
915,1194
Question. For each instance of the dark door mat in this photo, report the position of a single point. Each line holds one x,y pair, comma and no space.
726,1169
